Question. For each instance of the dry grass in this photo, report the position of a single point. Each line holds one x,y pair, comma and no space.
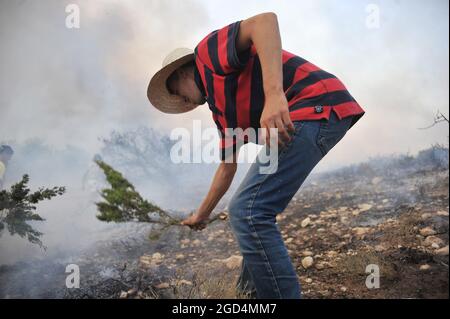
206,285
354,266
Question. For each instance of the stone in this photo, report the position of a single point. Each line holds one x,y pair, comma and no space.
343,289
425,267
289,240
364,207
305,222
308,280
430,240
157,256
332,254
321,265
359,231
223,216
233,262
307,262
307,253
179,256
380,248
442,251
123,295
162,285
427,231
180,282
442,213
132,292
152,261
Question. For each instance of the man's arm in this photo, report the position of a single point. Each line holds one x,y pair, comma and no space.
219,186
262,30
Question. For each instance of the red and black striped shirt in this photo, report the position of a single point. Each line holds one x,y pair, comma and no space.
232,84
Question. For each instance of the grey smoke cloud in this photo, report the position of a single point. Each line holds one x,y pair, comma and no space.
71,86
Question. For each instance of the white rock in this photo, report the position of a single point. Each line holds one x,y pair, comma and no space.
307,262
180,282
442,251
361,230
321,265
123,295
162,285
442,213
364,207
157,256
380,248
233,262
305,222
430,240
332,254
425,267
427,231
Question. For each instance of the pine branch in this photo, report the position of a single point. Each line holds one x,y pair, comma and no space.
122,203
17,208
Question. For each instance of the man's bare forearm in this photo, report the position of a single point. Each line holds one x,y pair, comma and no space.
219,186
266,38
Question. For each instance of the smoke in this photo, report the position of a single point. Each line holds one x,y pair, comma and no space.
68,87
62,89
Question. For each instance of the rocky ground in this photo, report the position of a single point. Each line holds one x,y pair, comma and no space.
392,213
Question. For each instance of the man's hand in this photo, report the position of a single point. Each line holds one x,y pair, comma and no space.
196,221
276,115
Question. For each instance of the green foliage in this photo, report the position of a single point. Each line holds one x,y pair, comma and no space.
17,208
122,203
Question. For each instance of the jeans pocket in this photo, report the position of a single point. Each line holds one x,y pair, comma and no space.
331,134
297,127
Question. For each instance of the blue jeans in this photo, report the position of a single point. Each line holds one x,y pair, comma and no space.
267,270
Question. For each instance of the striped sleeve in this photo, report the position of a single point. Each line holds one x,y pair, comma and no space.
218,50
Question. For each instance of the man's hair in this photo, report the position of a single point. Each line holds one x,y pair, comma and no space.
174,76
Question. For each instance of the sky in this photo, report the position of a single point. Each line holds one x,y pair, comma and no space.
72,86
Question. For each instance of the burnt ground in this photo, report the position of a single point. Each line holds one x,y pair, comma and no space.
393,215
389,212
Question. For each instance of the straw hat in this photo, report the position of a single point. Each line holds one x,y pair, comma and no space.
157,91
